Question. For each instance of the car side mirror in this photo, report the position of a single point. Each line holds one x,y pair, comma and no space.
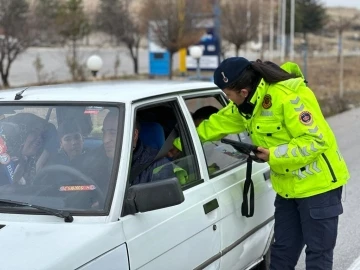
152,196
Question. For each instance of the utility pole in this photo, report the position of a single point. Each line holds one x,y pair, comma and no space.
261,29
248,22
217,17
271,45
283,36
278,34
292,29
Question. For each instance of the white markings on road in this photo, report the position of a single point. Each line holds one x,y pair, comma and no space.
355,265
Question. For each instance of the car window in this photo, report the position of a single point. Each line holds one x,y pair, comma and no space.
59,156
156,127
220,157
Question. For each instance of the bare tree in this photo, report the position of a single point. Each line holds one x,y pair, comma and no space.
115,18
239,22
14,38
341,24
173,23
73,26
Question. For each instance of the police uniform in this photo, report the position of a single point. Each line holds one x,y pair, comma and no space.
307,168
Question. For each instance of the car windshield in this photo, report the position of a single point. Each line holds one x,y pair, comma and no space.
59,157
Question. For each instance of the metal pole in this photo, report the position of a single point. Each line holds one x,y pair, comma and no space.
261,29
271,45
292,29
248,22
283,36
341,74
217,15
278,35
305,59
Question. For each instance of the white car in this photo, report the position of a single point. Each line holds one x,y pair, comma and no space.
73,195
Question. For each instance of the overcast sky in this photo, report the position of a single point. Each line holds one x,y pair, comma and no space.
347,3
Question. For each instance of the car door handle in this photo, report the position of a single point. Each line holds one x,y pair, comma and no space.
211,206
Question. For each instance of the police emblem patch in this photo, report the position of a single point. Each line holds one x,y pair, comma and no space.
305,118
267,102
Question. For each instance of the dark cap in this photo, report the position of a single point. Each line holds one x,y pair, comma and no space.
229,71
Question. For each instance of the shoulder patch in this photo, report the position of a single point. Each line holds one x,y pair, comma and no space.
306,118
267,101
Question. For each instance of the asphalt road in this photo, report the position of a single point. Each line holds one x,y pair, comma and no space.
347,129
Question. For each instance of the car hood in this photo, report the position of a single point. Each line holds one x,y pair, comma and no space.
55,245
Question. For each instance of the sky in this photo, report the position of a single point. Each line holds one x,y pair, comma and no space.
343,3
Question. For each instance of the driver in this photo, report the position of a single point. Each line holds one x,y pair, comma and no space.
101,161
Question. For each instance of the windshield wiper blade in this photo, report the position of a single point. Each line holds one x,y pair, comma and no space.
55,212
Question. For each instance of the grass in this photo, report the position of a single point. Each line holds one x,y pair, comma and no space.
323,75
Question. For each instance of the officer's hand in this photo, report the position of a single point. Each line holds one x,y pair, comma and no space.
173,153
263,153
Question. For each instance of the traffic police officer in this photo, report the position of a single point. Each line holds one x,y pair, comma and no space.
283,117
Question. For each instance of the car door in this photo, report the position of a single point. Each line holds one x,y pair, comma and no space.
183,236
243,240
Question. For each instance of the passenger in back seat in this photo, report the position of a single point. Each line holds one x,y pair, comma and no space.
71,145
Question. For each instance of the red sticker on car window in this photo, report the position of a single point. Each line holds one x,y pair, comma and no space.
77,188
3,147
93,110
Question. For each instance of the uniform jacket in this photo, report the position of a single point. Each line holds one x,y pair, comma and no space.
304,156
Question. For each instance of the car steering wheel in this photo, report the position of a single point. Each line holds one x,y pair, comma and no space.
69,171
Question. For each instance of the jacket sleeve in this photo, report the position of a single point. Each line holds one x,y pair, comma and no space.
161,170
227,121
311,135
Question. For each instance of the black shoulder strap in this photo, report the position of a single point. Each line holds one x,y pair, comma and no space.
248,185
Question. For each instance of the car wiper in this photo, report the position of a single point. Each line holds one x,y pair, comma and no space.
55,212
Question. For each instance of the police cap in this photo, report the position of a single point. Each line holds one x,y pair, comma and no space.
229,71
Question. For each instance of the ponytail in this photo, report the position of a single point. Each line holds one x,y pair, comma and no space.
258,70
271,72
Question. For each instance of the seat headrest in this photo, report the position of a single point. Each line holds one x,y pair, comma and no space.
152,134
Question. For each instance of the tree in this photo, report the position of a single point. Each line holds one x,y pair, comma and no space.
115,19
239,22
173,23
73,26
14,38
310,16
45,15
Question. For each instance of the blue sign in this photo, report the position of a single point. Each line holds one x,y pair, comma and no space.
211,50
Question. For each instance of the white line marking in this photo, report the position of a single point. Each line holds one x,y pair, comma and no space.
355,265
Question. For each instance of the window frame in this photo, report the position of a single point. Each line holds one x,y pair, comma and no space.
221,98
183,130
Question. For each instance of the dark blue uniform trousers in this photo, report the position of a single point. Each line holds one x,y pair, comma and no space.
311,221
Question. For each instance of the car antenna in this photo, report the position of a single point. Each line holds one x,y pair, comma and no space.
19,95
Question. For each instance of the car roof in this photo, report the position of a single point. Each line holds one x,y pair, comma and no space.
106,91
